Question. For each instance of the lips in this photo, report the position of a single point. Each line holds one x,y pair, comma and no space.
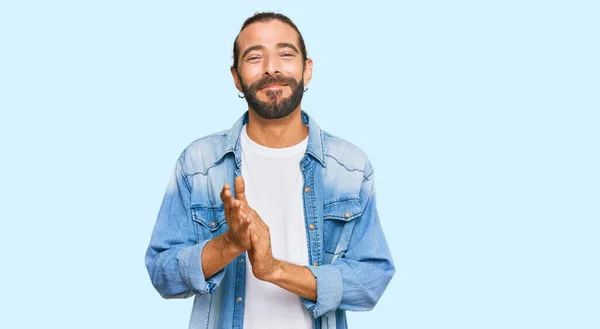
273,86
275,82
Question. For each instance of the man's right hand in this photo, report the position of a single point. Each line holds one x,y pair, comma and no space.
237,235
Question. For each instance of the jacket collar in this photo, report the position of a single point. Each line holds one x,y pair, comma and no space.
315,145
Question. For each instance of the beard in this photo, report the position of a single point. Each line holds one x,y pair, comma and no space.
276,107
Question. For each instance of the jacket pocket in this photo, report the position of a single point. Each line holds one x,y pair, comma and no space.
211,220
338,224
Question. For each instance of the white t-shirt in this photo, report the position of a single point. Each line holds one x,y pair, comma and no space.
274,188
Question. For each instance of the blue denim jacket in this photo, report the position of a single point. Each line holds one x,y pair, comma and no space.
346,245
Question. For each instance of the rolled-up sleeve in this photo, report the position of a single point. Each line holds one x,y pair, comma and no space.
357,279
329,290
174,257
191,270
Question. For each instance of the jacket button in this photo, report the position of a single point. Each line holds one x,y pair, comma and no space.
307,189
311,226
241,260
239,299
316,264
346,214
212,224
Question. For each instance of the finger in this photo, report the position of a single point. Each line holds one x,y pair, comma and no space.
235,209
261,229
226,187
256,217
240,189
243,217
226,197
246,210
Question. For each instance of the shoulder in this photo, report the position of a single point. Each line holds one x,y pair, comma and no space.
201,154
342,153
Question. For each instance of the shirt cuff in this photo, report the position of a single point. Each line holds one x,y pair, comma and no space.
329,290
190,267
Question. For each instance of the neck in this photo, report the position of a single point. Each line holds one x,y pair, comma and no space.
277,133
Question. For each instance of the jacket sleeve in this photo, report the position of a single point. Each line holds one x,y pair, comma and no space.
174,256
356,280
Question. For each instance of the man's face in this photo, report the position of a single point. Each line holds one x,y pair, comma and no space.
271,71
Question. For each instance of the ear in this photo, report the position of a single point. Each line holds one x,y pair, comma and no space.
236,78
308,66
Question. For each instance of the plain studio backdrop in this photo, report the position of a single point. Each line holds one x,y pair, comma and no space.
481,120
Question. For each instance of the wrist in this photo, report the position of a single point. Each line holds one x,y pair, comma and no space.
276,272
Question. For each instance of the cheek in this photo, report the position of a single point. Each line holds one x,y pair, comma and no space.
294,70
250,75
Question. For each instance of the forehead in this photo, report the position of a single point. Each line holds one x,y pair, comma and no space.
267,34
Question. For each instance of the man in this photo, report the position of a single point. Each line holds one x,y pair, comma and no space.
273,223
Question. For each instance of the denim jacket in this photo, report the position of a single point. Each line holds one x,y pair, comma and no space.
350,258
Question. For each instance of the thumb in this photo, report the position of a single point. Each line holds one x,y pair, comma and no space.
240,189
254,239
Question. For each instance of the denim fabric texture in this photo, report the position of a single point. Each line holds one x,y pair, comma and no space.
347,247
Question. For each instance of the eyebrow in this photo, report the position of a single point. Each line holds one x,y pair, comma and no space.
279,45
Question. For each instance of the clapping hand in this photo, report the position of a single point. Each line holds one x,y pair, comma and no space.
248,231
236,215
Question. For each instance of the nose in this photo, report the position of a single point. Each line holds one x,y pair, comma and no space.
271,65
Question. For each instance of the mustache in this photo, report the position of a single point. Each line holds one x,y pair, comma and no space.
274,79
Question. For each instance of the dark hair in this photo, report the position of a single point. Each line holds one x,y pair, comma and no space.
267,17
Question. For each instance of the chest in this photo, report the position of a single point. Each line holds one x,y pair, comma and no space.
326,200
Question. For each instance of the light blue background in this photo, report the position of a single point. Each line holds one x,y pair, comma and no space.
480,118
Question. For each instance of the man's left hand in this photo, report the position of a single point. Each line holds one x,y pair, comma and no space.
264,265
294,278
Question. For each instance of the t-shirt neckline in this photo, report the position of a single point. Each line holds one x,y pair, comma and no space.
254,147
